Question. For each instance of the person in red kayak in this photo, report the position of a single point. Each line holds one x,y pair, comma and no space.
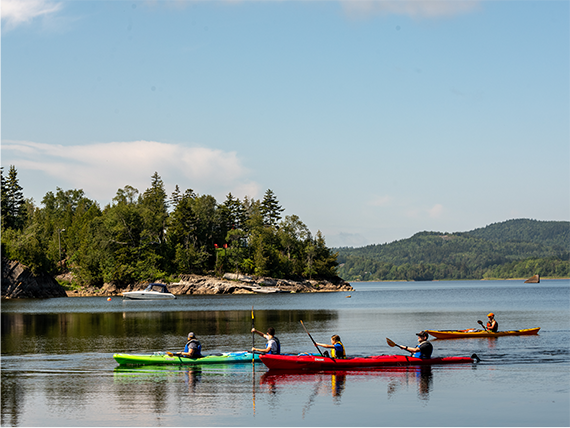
273,346
337,347
492,324
424,348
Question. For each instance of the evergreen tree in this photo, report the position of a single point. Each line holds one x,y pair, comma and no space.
4,201
270,209
15,200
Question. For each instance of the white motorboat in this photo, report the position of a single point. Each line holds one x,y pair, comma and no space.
154,291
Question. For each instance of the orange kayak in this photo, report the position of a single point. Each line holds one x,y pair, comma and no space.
455,334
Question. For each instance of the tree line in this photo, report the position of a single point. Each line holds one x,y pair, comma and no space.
152,236
513,249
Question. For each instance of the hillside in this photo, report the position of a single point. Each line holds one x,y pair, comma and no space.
511,249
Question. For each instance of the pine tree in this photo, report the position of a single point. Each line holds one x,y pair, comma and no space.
270,209
13,208
4,202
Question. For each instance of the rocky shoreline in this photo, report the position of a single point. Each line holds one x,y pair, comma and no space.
229,284
19,282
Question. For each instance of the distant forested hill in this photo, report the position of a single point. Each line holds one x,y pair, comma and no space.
511,249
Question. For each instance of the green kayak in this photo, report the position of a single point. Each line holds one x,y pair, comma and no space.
162,358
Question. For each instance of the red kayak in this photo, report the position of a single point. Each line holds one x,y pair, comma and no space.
317,362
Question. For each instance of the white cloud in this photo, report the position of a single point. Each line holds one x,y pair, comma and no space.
413,8
380,201
101,169
436,211
16,12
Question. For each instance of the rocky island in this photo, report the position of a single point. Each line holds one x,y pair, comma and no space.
19,282
228,284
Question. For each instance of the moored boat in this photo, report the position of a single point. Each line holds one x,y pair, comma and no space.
159,358
154,291
456,334
317,362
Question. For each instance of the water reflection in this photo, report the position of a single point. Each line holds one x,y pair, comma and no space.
335,382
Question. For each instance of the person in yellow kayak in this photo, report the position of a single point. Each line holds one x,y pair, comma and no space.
492,324
337,347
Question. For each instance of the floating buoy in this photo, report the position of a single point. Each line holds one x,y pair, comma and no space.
109,299
348,296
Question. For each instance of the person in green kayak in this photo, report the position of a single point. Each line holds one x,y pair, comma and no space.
193,348
337,347
273,346
424,348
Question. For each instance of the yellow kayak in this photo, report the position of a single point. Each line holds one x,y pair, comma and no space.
456,334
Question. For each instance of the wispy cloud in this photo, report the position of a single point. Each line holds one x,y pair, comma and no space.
17,12
101,169
413,8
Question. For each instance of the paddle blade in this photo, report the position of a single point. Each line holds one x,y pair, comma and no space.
252,317
479,322
390,343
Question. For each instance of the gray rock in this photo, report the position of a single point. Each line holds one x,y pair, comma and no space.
18,281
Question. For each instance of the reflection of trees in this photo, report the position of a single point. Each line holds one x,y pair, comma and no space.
154,331
13,395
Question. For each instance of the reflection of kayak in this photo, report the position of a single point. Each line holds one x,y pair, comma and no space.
160,358
316,362
451,334
308,376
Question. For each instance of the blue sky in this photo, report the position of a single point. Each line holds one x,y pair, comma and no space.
370,120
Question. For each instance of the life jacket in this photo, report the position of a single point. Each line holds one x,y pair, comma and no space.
198,349
341,354
426,349
494,330
278,346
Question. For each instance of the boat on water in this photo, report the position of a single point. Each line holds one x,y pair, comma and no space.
161,358
318,362
456,334
154,291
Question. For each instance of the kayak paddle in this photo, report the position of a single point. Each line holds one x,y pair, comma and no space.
314,343
391,343
482,325
252,334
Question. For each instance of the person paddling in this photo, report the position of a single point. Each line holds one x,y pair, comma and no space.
424,348
193,348
492,324
273,346
337,347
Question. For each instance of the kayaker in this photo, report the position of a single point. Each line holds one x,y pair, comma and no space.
424,348
337,347
492,324
193,348
273,346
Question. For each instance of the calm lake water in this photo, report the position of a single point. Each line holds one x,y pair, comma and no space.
58,370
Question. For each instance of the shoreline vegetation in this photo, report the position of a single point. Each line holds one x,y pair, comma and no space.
149,236
519,248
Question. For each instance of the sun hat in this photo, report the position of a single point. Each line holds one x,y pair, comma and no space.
491,314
